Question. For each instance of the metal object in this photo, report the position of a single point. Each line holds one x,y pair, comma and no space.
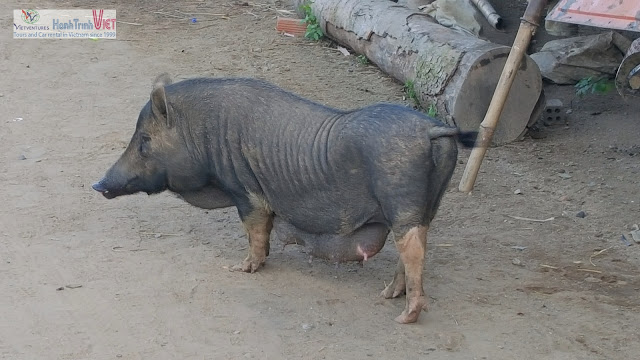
634,78
489,13
608,14
628,75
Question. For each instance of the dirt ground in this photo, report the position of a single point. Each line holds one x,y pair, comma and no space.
154,272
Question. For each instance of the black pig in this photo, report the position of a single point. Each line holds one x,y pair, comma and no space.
336,180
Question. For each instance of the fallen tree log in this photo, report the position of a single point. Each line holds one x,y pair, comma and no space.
455,73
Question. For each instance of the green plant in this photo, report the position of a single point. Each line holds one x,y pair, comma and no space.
362,60
410,90
432,111
314,32
591,85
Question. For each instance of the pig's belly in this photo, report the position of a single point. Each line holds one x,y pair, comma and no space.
326,213
360,245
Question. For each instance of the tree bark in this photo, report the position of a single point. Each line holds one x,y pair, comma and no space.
455,73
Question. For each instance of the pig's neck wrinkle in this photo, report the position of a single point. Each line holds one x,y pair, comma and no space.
194,141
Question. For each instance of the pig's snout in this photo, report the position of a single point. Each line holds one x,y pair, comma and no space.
101,188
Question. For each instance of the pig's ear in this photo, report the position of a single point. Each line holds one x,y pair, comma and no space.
159,99
162,80
159,105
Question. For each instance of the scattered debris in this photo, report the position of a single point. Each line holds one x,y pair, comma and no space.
632,150
519,248
121,249
518,192
444,245
128,23
191,16
628,76
581,214
565,176
567,61
344,51
517,262
529,219
554,113
596,254
489,13
168,15
200,13
291,26
635,233
549,266
236,332
590,270
60,288
307,327
591,279
73,286
459,15
22,157
17,119
563,29
624,240
157,235
608,14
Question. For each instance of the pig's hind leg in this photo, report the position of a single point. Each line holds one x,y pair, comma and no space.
412,247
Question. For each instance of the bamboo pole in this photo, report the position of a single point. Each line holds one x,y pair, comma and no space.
528,25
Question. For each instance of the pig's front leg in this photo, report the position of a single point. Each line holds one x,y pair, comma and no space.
258,222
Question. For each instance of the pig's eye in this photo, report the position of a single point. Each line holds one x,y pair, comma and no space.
145,144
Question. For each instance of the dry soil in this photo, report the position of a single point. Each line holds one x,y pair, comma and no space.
147,277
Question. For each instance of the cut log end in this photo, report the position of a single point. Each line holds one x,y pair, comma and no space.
477,87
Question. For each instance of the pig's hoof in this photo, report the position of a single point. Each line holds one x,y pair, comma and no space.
395,289
412,311
407,318
248,266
